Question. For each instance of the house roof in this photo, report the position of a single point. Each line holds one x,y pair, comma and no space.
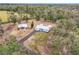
43,28
22,25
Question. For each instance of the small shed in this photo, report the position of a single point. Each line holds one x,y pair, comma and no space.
22,26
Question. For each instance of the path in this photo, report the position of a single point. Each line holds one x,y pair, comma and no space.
26,37
21,41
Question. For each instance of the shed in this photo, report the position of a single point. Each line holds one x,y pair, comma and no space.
22,26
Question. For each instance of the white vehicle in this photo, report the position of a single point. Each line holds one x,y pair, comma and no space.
42,28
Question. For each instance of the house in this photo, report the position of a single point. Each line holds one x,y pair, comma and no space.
43,28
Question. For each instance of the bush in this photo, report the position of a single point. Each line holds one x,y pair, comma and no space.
9,47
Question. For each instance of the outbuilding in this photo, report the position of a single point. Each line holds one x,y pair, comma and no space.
22,26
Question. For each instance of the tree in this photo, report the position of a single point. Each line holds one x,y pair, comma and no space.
37,17
13,18
1,28
25,18
51,16
20,10
10,47
68,24
77,22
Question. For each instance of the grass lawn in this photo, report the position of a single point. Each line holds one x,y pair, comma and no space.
4,16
